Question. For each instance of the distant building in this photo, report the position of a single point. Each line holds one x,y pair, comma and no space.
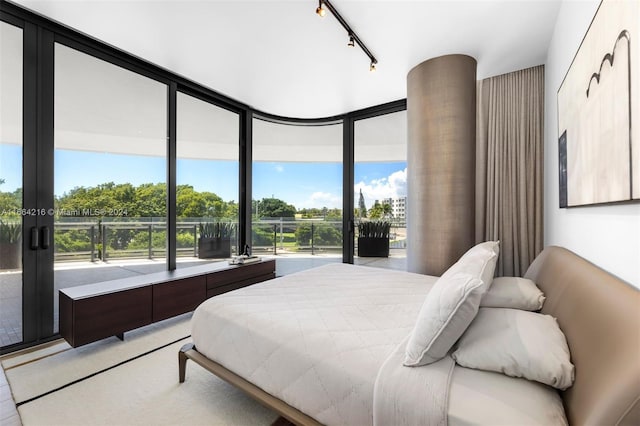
362,207
398,206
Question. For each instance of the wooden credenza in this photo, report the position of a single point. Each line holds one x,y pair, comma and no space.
95,311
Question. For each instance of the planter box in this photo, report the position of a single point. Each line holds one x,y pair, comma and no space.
373,247
214,248
10,256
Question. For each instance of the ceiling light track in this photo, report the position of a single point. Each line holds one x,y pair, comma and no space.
353,37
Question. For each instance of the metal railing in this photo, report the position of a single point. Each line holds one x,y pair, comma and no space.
307,236
101,240
145,238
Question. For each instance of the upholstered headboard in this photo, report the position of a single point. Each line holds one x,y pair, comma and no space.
600,316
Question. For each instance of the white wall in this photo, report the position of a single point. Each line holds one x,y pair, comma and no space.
608,236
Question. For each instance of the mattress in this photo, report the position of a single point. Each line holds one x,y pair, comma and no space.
316,339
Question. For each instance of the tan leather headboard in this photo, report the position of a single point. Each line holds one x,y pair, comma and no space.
600,316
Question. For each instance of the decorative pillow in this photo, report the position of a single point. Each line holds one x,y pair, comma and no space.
479,261
514,293
446,313
518,344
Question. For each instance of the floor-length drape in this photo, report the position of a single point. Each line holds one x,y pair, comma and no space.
509,166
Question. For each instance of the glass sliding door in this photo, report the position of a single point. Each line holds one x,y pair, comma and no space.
297,190
207,181
110,192
11,184
380,189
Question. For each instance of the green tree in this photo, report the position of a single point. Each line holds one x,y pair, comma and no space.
144,201
323,234
150,200
10,202
309,213
262,236
273,207
303,234
334,214
231,210
189,203
103,197
377,211
387,210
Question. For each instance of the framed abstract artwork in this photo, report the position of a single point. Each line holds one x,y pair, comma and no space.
599,110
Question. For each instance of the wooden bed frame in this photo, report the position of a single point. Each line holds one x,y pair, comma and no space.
599,315
294,415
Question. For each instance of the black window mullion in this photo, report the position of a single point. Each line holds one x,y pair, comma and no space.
246,176
171,175
44,168
30,314
347,190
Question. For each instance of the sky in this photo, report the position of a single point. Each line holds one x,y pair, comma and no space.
305,185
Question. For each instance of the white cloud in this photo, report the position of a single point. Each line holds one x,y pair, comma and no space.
321,199
393,186
279,168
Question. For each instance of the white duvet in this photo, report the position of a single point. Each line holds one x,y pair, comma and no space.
314,339
317,340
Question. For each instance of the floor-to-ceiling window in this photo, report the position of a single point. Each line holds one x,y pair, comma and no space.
110,171
98,148
380,182
297,188
207,181
11,184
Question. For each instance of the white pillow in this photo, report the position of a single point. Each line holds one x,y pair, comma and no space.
446,313
518,344
479,261
514,293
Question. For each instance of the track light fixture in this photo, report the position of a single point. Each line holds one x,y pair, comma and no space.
353,37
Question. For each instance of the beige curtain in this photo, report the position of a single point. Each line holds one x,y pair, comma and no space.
509,162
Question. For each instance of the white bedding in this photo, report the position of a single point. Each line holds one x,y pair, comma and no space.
487,398
316,339
410,396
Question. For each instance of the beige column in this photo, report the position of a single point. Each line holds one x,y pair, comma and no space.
441,119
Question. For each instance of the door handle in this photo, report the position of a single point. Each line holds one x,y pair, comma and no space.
46,237
34,243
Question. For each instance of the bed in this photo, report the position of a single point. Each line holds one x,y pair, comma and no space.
314,346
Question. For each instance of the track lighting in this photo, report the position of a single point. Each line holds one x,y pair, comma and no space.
353,37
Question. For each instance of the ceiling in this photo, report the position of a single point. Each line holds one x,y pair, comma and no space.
280,57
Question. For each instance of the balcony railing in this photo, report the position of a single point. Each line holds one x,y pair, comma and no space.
102,240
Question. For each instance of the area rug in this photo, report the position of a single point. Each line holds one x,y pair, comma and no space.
36,373
146,391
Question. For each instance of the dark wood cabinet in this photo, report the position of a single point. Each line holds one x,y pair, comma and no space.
95,311
91,319
177,297
252,273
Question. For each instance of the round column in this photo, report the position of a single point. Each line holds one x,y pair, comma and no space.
441,152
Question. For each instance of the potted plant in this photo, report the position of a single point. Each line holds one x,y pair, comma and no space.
10,245
373,238
215,240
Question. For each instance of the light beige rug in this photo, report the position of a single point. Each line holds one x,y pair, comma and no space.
42,371
134,382
146,392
